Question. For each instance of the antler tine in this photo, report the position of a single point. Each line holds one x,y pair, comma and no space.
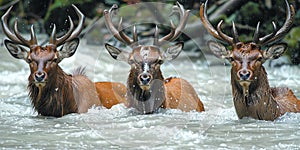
258,40
216,33
7,31
235,33
79,27
109,24
184,14
32,35
176,31
222,35
275,36
32,41
62,39
134,32
269,36
117,33
71,34
256,33
134,41
52,39
168,36
206,23
156,32
124,37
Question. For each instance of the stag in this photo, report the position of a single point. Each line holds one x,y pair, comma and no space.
52,91
252,95
147,89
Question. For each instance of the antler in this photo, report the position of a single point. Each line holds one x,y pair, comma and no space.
277,34
71,34
121,36
273,37
175,31
17,38
118,33
217,33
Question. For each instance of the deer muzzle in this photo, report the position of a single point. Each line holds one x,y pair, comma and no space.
40,78
145,80
244,75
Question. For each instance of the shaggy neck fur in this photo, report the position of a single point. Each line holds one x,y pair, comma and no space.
259,103
56,97
145,101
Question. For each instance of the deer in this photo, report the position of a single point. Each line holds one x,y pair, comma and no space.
52,91
147,89
252,95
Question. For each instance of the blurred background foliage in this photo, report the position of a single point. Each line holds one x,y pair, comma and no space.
245,13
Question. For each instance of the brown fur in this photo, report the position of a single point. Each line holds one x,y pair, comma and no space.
111,93
63,94
252,95
145,101
173,93
263,102
52,91
145,83
181,95
286,100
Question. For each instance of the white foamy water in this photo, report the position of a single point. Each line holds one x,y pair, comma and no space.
120,127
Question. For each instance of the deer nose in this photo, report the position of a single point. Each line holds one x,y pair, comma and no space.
244,74
40,76
145,78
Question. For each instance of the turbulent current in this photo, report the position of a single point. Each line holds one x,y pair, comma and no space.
121,127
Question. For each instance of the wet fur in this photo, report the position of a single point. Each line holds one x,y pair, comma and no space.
171,93
263,102
63,94
181,95
145,101
111,93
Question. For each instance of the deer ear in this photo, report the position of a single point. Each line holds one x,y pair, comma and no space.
275,51
69,48
173,51
218,49
15,50
117,53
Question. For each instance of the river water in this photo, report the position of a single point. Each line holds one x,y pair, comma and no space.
120,127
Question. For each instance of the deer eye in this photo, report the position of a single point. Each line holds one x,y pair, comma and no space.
239,45
160,61
231,59
130,61
29,60
54,59
260,58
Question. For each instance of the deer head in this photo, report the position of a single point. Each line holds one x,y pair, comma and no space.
42,60
145,60
247,58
